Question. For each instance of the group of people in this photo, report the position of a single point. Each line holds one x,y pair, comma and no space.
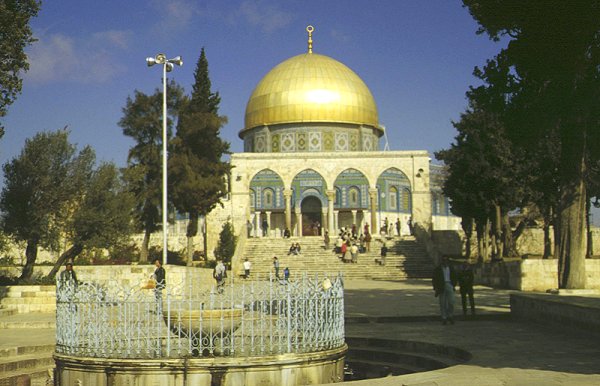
445,278
295,249
349,252
349,236
286,270
386,227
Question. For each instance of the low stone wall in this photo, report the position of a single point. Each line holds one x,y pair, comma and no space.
571,312
283,370
129,275
35,298
531,241
531,274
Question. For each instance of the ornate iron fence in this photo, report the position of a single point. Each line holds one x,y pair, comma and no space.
252,318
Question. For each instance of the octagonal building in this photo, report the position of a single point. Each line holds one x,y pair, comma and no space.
312,160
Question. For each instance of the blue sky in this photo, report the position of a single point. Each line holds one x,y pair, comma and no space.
416,56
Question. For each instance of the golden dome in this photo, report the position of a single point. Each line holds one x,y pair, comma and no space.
311,88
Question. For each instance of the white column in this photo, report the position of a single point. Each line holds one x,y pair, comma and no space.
298,222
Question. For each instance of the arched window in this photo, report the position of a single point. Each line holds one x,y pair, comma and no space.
252,199
353,197
338,197
405,204
268,198
393,196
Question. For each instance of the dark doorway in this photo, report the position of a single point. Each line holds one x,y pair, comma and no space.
311,216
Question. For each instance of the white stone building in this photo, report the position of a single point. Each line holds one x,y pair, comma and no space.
312,160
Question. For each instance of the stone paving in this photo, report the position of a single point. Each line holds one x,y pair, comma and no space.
505,352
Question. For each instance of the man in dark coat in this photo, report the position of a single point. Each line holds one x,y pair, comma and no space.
444,280
465,282
159,276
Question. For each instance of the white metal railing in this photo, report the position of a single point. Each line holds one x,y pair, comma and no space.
252,318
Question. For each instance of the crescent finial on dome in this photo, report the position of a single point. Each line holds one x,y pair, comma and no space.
310,30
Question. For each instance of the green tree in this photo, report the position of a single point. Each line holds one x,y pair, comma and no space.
554,52
484,171
142,121
101,216
226,246
197,173
15,35
39,188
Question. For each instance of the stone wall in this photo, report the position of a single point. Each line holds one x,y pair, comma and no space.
531,242
531,274
128,275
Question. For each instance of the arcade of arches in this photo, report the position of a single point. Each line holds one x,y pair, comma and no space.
328,196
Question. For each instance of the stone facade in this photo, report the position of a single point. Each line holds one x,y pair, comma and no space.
287,208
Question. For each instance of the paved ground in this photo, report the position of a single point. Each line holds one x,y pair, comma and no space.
505,352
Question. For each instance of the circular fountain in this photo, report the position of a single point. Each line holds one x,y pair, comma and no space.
261,332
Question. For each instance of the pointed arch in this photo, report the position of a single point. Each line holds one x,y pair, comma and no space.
266,190
353,189
394,191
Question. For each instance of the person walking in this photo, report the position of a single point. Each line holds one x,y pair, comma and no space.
159,276
219,274
276,266
444,280
383,253
326,240
354,253
465,283
265,227
247,266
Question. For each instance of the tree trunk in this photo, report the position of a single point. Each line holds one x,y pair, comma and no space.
144,248
467,226
483,240
497,233
571,252
486,240
31,255
69,254
509,243
590,246
547,242
192,230
204,237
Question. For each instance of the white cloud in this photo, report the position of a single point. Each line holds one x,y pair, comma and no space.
175,14
116,38
266,16
58,57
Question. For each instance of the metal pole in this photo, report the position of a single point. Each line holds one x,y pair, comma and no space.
165,224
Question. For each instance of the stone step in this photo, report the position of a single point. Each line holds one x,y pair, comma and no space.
33,320
30,377
28,300
24,363
7,311
26,350
405,259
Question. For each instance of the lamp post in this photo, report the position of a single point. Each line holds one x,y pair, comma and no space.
168,65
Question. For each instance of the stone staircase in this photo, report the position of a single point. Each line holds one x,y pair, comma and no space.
405,259
30,365
27,298
27,312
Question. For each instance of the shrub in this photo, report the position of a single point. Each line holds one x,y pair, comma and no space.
226,246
